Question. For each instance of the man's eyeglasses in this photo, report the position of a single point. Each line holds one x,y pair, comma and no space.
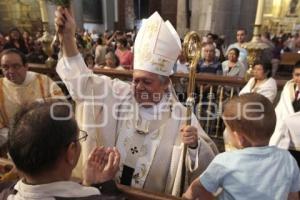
82,136
13,66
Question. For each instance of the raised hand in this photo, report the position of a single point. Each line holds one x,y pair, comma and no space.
64,22
101,166
65,27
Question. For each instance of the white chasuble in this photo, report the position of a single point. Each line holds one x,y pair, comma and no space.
138,141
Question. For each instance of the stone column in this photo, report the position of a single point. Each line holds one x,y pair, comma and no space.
222,17
259,12
43,10
228,16
204,20
247,16
129,13
51,15
276,8
181,18
78,13
109,7
169,11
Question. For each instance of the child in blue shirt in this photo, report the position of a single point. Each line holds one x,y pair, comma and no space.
256,170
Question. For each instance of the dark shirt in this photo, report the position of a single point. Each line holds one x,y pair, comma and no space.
37,57
277,52
11,45
213,68
296,105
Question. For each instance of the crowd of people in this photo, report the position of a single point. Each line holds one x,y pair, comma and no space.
114,50
135,133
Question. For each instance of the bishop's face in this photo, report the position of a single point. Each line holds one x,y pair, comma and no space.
148,87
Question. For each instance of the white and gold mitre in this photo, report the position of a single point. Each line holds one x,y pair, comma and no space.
157,46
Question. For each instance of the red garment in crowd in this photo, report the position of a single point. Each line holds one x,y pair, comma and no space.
126,58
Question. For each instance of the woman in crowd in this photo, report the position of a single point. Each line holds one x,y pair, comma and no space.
233,67
28,41
262,82
124,54
111,62
100,52
16,41
89,61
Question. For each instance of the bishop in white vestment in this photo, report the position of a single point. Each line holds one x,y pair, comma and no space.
146,126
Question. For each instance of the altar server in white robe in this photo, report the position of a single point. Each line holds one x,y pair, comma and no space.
261,82
143,119
19,87
287,131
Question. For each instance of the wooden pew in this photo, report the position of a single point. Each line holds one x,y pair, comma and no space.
289,59
139,194
202,78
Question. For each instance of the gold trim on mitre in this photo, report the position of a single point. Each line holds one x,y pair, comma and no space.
161,64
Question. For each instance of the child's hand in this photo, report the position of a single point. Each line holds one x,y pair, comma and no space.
186,195
101,166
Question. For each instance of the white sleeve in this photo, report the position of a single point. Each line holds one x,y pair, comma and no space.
83,84
71,67
270,91
75,75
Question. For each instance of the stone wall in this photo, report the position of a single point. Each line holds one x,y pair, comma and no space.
222,17
21,14
129,13
169,11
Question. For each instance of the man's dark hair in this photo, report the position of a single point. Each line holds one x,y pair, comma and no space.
242,29
123,41
100,41
14,51
297,65
39,134
267,67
